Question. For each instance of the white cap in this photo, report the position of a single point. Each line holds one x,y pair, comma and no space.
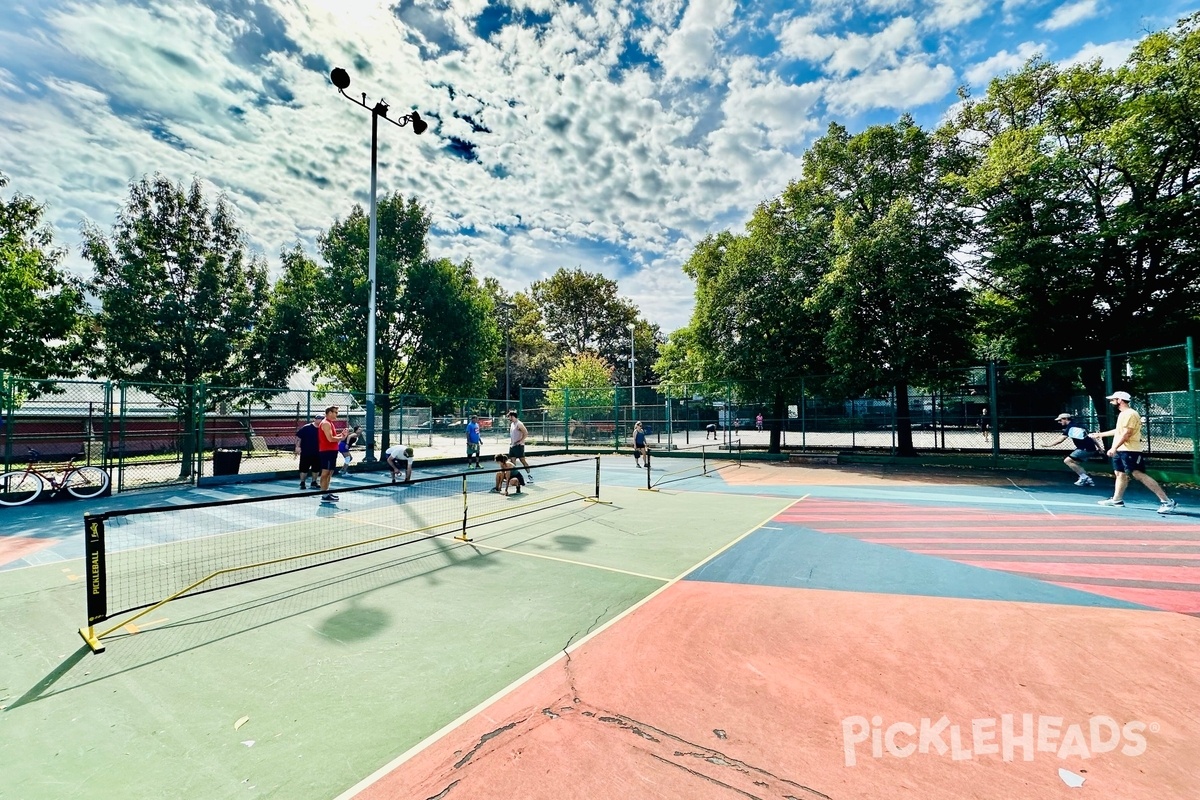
1062,416
1119,396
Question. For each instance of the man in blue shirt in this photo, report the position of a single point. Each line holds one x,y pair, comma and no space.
1085,447
308,448
473,442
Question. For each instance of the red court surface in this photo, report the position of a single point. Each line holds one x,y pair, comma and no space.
744,682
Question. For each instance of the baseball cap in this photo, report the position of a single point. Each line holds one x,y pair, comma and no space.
1119,396
1062,416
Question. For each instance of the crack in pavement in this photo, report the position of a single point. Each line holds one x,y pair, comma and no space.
487,737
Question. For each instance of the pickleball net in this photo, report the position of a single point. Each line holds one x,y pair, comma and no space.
705,460
139,559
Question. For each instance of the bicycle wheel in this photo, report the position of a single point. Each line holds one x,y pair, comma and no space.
85,482
19,488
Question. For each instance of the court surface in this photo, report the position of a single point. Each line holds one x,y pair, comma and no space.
763,632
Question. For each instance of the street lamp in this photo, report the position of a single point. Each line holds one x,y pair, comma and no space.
632,375
341,79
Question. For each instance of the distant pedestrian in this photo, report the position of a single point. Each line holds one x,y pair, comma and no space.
639,444
1127,456
1085,448
985,423
517,434
344,446
710,430
329,441
758,422
309,450
474,441
400,458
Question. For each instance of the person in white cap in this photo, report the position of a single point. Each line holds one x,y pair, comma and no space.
1085,448
1127,456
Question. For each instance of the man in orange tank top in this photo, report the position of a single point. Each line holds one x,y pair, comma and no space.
328,440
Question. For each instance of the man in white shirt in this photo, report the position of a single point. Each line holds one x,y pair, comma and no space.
517,434
399,458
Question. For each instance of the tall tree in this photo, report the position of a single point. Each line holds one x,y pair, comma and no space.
435,325
42,310
581,388
1085,184
530,354
583,313
895,314
751,323
180,298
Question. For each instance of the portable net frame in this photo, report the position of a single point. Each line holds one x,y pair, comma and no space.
137,560
711,458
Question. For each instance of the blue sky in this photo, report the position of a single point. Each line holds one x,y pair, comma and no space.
610,136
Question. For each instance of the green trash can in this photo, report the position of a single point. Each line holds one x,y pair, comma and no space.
227,462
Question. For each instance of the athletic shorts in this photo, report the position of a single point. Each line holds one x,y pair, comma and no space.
329,460
472,448
516,451
1129,461
1084,455
310,462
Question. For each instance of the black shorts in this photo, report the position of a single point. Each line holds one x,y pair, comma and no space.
310,462
329,460
516,451
1129,461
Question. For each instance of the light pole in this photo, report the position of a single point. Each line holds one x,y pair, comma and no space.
632,376
508,309
341,79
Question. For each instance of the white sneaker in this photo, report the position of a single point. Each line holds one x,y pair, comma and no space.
529,477
1112,503
1168,507
1085,480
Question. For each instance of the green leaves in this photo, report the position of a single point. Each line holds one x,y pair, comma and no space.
42,310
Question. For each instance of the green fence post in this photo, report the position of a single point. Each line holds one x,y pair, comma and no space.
567,419
198,412
121,442
1191,367
994,399
6,413
1108,390
106,450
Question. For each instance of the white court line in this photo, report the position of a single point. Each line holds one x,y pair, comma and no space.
564,561
512,687
1031,497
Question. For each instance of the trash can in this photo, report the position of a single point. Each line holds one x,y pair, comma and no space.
227,462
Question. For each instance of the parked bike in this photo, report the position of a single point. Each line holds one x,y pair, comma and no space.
24,486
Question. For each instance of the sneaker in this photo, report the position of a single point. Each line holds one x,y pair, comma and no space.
494,489
303,486
518,490
1112,503
329,498
529,477
1085,480
1168,507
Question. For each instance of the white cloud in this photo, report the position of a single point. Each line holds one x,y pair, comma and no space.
980,74
950,14
1069,14
1112,54
912,84
689,50
854,52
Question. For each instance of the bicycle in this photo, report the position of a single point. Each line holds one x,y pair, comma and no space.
24,486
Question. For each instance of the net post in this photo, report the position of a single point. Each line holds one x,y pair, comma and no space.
97,593
648,484
597,494
462,537
704,460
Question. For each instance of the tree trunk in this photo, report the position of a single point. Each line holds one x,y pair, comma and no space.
904,440
777,417
383,411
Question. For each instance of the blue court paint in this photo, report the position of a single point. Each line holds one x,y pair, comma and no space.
796,557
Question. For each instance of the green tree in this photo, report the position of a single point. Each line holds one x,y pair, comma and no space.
1084,183
583,313
180,299
530,354
581,388
436,328
42,310
751,323
893,311
288,334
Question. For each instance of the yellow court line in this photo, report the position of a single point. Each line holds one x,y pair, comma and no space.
512,687
567,561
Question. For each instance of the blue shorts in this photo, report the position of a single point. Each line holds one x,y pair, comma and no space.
1129,461
1084,455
